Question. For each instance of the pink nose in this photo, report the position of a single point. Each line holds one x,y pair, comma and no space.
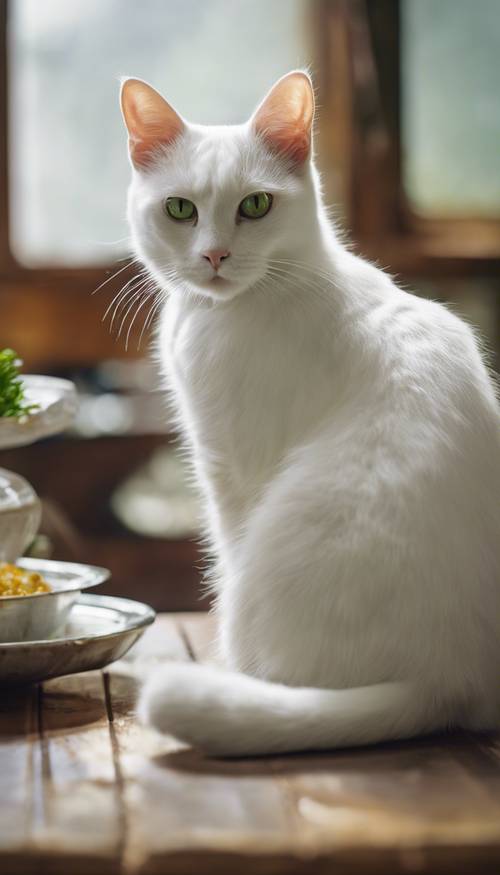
215,256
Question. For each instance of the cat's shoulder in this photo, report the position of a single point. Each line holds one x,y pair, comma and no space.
401,301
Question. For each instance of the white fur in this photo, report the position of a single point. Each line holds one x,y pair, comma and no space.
345,436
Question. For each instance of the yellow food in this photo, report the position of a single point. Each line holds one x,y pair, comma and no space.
18,581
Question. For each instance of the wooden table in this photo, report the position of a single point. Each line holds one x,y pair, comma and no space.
85,790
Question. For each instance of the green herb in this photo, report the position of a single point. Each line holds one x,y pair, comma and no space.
12,400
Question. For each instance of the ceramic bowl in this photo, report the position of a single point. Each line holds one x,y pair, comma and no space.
56,402
39,617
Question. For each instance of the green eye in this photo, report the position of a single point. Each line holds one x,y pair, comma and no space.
180,209
255,205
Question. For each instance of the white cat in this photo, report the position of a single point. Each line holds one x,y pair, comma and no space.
345,436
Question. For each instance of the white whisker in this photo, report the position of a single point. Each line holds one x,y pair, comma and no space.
112,277
121,293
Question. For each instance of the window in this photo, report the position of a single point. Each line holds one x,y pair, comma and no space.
68,164
451,111
410,155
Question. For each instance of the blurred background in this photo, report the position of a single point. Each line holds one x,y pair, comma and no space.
408,140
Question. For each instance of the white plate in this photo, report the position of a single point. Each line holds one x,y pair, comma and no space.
100,630
57,405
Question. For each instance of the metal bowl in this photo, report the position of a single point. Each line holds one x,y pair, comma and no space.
40,616
100,630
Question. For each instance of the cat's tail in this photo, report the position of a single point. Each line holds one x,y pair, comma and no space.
230,714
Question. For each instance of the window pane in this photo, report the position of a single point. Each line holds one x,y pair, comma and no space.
69,168
451,106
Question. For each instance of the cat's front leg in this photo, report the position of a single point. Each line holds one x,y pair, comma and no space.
224,518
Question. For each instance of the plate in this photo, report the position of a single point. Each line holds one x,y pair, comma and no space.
100,630
57,405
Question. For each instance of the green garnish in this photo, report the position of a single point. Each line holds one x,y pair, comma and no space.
256,205
12,400
180,209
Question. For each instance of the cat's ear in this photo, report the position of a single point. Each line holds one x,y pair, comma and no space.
150,120
285,116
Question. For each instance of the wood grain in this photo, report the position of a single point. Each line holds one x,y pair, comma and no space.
86,789
18,734
405,800
82,822
175,806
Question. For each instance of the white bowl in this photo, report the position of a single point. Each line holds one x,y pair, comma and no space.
57,404
19,515
40,616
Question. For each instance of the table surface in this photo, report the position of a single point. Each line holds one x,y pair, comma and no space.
85,789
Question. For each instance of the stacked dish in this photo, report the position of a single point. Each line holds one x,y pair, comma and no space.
47,626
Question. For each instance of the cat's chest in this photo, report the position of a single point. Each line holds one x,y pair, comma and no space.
241,385
226,374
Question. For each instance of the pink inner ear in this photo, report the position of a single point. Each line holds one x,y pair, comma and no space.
291,141
142,151
151,122
284,119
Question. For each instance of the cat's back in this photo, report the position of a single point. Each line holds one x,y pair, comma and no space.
419,348
423,407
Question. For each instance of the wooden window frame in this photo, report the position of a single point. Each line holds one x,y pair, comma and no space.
361,45
48,314
358,76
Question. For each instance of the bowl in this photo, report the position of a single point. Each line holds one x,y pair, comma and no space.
19,515
40,616
100,630
57,404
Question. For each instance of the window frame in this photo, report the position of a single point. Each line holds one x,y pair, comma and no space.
36,302
378,213
358,77
10,268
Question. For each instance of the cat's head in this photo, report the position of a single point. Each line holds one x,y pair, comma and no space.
216,209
